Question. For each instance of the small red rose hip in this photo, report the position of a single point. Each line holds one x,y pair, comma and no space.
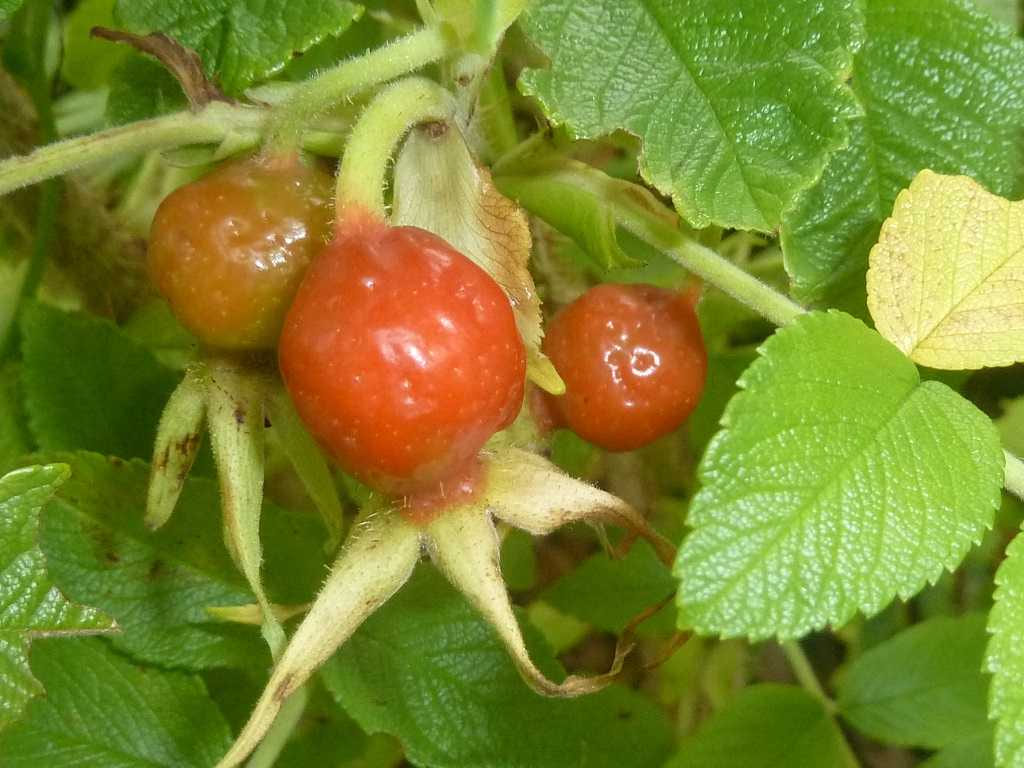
633,361
402,357
228,251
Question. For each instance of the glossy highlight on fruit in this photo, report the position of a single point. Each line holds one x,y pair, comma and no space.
402,357
633,361
228,251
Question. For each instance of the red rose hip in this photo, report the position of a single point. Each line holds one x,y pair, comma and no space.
228,251
402,357
633,361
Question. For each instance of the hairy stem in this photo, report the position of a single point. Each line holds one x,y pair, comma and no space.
377,134
709,265
175,130
317,95
1014,478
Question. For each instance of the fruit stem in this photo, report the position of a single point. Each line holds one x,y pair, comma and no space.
174,130
1014,476
317,95
375,137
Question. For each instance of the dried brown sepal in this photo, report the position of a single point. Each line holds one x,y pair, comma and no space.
182,62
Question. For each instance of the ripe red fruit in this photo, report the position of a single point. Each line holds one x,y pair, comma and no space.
402,357
633,361
228,251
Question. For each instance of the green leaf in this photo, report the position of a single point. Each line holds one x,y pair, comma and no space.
15,439
1005,11
88,63
240,42
1011,426
159,585
8,7
767,726
1005,657
965,121
428,669
608,593
100,710
737,102
30,605
141,88
924,687
976,753
88,386
839,482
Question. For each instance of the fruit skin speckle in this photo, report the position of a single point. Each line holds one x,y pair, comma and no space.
228,250
402,357
633,361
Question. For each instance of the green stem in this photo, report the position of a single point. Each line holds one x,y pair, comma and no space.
804,673
495,113
377,134
317,95
174,130
708,264
280,733
1014,477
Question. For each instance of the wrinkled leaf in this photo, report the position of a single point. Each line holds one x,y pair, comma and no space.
937,82
240,42
1005,657
738,104
100,710
88,386
839,482
30,605
946,282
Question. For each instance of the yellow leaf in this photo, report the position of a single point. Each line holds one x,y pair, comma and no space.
946,279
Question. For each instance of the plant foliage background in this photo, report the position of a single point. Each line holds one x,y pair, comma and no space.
858,602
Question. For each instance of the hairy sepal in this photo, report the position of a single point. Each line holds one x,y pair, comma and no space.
529,492
177,442
235,406
440,188
377,558
464,545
